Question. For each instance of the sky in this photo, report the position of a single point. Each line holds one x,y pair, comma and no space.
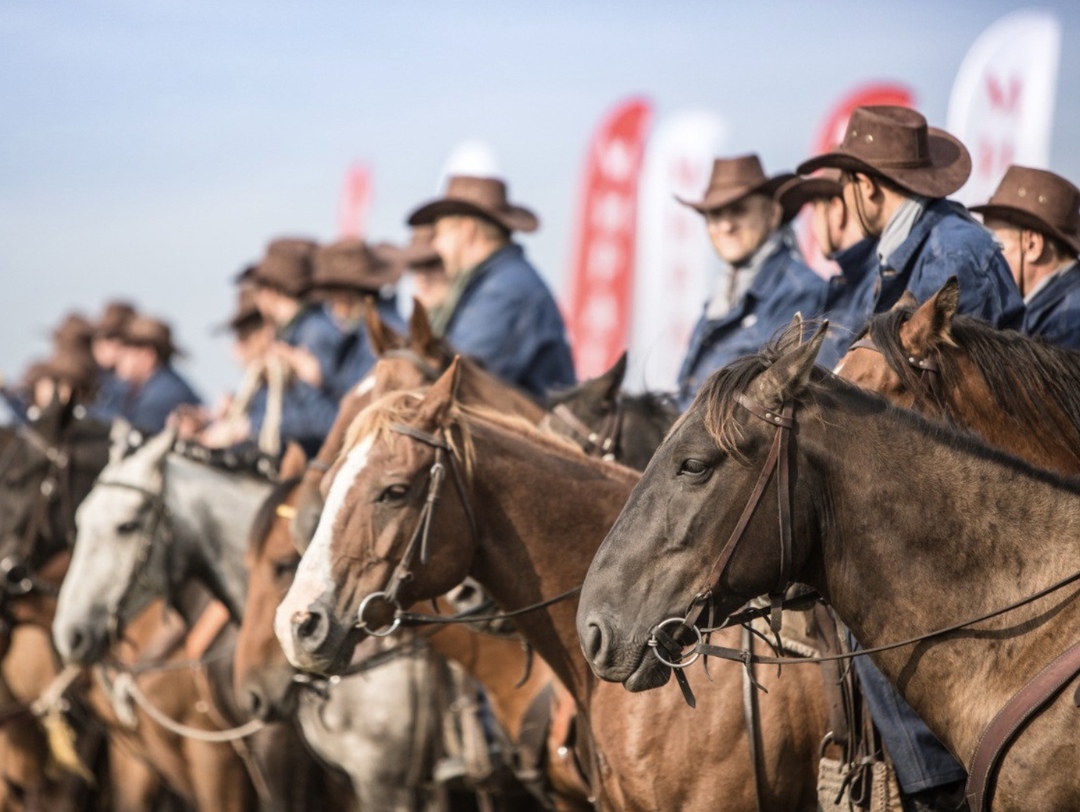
149,149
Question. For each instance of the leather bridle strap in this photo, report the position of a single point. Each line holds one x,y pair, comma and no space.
604,442
428,370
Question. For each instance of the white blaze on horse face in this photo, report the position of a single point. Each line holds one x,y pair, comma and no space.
366,385
313,576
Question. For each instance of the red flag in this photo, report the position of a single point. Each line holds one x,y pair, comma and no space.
601,280
355,201
830,134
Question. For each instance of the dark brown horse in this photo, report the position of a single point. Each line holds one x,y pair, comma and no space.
928,529
1021,394
540,508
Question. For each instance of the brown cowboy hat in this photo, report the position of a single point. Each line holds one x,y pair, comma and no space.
735,178
420,253
352,263
797,192
476,197
895,143
73,331
245,316
144,331
74,368
113,318
287,266
1038,200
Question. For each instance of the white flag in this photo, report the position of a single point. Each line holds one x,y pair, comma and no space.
675,262
1002,102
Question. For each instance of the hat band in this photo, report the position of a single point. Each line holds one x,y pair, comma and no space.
901,163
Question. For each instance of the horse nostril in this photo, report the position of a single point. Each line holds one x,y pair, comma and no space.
77,642
595,639
257,706
310,629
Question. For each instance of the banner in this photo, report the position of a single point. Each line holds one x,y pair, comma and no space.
1002,102
600,284
829,135
676,267
355,202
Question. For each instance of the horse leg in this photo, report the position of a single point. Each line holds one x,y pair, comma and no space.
134,785
219,778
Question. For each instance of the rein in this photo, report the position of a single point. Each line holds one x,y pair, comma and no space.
602,442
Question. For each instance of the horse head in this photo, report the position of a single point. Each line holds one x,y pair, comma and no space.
705,485
117,567
263,678
395,528
899,353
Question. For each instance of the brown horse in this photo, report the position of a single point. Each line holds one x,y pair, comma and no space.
540,508
930,528
1022,395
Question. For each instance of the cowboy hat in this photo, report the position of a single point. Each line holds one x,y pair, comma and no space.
895,143
286,266
143,331
1038,200
733,179
797,192
352,263
476,197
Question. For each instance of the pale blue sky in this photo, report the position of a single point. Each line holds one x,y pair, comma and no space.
150,148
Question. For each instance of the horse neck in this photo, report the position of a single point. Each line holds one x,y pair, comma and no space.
211,513
480,387
1040,434
927,530
499,664
543,511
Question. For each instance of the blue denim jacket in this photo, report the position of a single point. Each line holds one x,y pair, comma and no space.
507,319
345,356
849,302
147,406
946,242
1053,314
783,287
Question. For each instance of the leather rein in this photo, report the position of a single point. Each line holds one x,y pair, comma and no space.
671,646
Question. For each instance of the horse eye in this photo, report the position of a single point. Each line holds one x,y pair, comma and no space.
128,528
285,568
692,467
394,493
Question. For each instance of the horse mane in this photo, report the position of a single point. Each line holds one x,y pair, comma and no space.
264,518
1025,376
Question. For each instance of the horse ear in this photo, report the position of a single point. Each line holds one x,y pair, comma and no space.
421,335
907,301
931,324
380,334
790,373
605,387
294,462
442,395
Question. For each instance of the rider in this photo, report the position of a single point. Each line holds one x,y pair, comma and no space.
1035,216
106,348
766,280
144,364
498,309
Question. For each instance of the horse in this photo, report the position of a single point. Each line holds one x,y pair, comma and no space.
378,727
158,526
931,529
522,513
609,423
1020,394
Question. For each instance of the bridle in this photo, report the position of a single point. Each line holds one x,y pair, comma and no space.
602,442
927,367
419,542
158,530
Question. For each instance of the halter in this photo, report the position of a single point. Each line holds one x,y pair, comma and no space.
929,371
602,442
419,543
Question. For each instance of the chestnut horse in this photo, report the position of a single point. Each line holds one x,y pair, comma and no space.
1021,394
930,529
540,508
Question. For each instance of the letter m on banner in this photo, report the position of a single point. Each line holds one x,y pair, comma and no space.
601,277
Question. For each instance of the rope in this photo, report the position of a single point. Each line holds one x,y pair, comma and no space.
125,685
55,690
270,434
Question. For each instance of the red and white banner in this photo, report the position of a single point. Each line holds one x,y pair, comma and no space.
830,134
1002,102
355,202
676,266
601,277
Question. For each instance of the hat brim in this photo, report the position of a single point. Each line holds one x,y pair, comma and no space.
1025,219
726,197
949,169
512,218
798,191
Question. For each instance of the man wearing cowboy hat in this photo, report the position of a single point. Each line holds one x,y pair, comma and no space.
347,274
498,309
849,301
1035,215
144,363
896,173
766,282
105,346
